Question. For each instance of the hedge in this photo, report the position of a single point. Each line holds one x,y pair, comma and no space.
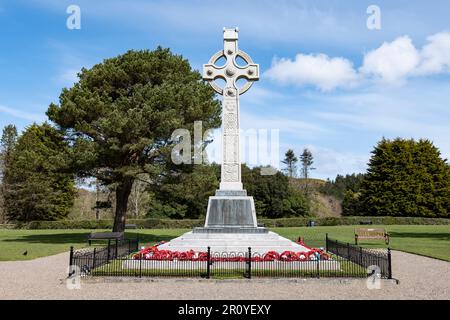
7,226
271,223
340,221
108,224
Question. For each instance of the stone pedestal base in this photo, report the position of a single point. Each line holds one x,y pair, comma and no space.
246,230
231,209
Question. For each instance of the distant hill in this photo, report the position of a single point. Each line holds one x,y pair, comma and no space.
322,205
312,182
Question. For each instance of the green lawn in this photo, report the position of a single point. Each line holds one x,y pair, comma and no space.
41,243
433,241
426,240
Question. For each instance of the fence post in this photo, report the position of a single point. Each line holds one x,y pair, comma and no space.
116,253
109,245
326,242
348,251
318,268
140,264
208,263
389,264
93,258
70,260
137,241
361,256
249,263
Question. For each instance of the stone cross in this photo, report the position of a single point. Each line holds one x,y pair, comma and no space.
231,72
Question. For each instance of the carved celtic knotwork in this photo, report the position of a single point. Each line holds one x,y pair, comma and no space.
230,121
231,172
230,149
230,106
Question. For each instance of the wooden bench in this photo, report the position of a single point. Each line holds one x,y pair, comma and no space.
371,234
105,236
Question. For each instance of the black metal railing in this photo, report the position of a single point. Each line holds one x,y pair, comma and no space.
89,259
366,258
339,260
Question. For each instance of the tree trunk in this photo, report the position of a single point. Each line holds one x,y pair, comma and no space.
136,202
123,191
135,199
97,199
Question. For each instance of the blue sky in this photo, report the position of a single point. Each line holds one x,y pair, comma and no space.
327,82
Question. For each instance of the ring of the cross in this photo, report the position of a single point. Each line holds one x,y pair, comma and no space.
244,57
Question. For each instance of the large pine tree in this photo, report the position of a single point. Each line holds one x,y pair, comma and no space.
406,178
119,118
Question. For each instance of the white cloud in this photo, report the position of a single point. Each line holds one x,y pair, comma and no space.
393,61
23,114
290,21
419,110
319,70
398,60
330,162
436,54
68,61
259,95
69,77
393,111
289,124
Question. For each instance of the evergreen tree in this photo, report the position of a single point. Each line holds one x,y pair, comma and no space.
351,204
7,144
37,185
8,141
306,160
120,116
406,178
290,160
274,197
339,187
184,195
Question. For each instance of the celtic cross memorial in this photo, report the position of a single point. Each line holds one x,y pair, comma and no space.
231,72
231,207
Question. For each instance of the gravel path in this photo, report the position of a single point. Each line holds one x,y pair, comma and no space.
44,278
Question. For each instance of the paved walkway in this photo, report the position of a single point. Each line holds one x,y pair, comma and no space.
44,278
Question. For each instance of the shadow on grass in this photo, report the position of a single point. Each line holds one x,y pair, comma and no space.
148,238
421,235
81,238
